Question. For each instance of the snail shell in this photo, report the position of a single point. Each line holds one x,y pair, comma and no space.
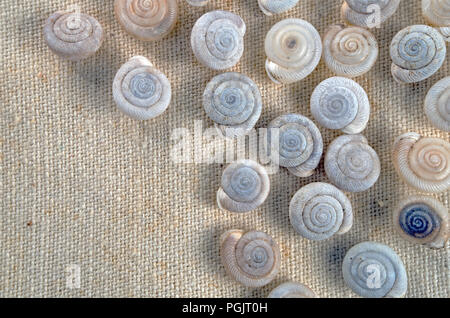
300,145
233,102
422,220
437,13
417,53
351,164
197,3
445,32
437,104
349,51
217,39
423,163
245,186
341,103
73,36
252,258
271,7
147,20
320,210
374,270
363,12
292,290
293,48
140,90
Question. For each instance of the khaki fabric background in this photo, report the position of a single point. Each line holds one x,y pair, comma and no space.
82,184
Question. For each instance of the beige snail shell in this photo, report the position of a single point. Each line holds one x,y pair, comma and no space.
423,163
292,290
422,220
341,103
437,14
320,210
197,3
271,7
245,186
368,14
349,51
73,36
437,104
351,164
293,48
417,53
217,39
147,20
140,90
250,258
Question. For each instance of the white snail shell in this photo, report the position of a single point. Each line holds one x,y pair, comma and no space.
351,164
437,104
293,48
292,290
422,220
197,3
445,31
140,90
320,210
349,51
147,20
364,13
423,163
417,53
300,145
217,39
374,270
341,103
73,36
271,7
233,101
245,186
252,258
437,13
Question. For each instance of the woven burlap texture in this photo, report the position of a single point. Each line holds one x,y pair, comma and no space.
84,185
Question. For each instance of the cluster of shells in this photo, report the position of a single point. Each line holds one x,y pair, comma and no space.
233,101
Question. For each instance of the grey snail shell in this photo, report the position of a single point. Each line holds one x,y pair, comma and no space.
271,7
437,104
437,14
73,36
368,13
292,290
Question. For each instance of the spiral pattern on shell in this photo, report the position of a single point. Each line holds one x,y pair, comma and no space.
423,163
300,145
368,13
252,258
245,186
437,104
233,101
293,48
73,36
271,7
341,103
349,51
147,20
140,90
292,290
374,270
217,39
436,12
422,220
417,53
320,210
197,3
351,164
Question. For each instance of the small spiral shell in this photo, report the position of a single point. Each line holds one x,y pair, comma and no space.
73,36
292,290
147,20
217,39
197,3
341,103
320,210
368,13
374,270
445,32
437,104
245,186
293,48
423,163
437,12
252,258
422,220
233,102
300,144
140,90
349,51
417,53
351,164
271,7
